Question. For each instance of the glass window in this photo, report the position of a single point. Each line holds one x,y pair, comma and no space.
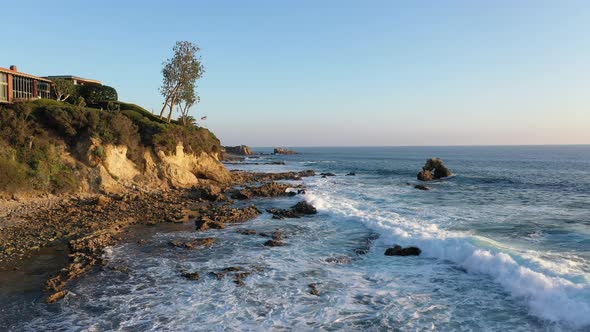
3,87
44,90
22,87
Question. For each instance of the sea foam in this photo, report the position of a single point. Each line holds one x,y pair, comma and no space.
542,285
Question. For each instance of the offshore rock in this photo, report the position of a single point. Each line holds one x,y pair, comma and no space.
274,243
425,175
296,211
191,275
313,289
241,150
399,251
284,151
433,169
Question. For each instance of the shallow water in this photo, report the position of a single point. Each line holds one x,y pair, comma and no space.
506,246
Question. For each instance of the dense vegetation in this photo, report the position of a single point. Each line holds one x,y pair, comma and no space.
35,136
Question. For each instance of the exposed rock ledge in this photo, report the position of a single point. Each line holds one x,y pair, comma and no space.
116,173
284,151
241,150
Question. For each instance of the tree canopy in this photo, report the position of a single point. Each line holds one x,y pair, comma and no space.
179,76
95,94
63,89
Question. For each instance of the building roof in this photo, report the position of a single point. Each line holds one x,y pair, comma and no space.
71,77
18,73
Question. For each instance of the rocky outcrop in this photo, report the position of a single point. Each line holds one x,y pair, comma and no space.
191,275
241,150
277,239
205,242
242,177
114,172
209,192
399,251
57,296
271,189
433,169
296,211
184,170
284,151
218,216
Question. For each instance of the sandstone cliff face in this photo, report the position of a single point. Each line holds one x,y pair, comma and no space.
114,171
184,170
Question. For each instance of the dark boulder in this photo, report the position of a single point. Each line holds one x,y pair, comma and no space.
425,175
433,169
304,208
327,174
399,251
191,275
296,211
313,289
274,243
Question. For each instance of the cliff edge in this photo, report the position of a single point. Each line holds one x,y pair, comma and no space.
53,147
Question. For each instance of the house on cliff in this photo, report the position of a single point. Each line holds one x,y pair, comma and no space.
17,86
77,80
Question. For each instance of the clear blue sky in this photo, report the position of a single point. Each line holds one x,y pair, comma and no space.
298,73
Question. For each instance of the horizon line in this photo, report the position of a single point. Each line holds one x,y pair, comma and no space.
416,146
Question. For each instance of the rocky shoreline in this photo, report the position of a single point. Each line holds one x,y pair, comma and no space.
87,224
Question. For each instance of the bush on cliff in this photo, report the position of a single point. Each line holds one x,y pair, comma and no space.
29,158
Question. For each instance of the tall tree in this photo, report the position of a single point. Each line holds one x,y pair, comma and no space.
187,98
180,74
63,89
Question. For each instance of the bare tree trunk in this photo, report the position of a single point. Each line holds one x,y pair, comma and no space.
170,95
164,107
183,112
171,107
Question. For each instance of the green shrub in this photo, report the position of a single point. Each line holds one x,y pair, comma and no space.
95,94
194,139
14,175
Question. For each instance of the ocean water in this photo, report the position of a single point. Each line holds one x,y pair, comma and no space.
505,247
